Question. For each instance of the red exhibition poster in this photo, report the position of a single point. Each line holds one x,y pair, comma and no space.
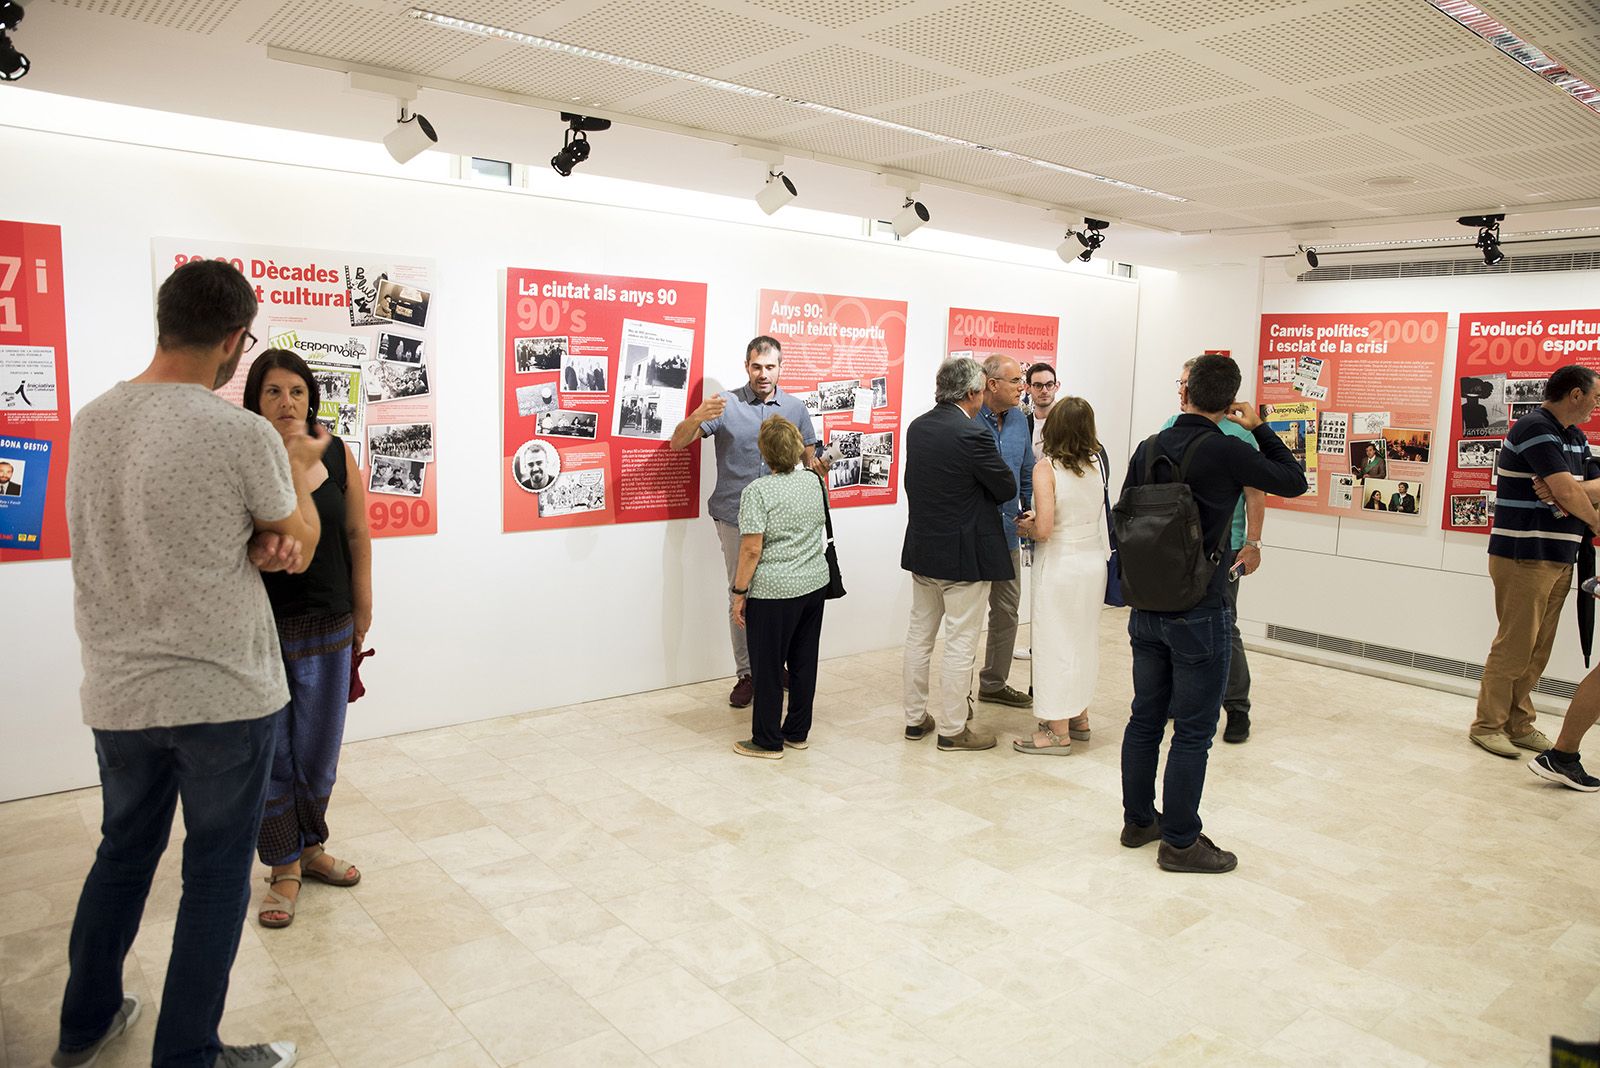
35,412
1028,339
1502,362
845,358
1354,396
598,371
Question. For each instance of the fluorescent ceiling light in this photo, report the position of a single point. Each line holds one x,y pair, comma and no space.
1530,55
486,30
1456,240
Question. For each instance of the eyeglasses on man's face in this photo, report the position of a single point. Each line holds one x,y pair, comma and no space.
1044,385
249,341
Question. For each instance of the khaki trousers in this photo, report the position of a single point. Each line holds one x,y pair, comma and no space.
1528,595
960,606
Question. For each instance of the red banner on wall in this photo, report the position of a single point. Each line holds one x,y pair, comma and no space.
35,410
599,369
1502,362
1354,396
845,358
1028,339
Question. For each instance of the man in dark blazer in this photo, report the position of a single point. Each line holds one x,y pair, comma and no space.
955,546
9,487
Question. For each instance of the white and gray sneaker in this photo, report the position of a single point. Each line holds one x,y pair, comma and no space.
124,1019
266,1055
1568,773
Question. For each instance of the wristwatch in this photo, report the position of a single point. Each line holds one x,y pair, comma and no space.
736,591
1248,544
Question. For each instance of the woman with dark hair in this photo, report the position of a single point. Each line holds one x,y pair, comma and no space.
1375,502
1068,527
319,613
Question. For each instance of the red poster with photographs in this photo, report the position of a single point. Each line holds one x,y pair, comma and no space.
1028,339
1502,362
844,357
599,369
1354,396
35,413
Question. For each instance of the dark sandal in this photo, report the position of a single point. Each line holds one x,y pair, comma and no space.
275,902
311,853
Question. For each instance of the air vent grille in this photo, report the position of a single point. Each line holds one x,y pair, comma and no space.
1440,665
1515,264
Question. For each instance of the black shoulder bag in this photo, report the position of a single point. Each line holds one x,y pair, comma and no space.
835,581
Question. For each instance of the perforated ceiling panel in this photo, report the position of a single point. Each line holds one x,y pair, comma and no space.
1515,128
1580,54
981,116
998,37
834,14
1574,157
674,33
1464,200
1245,195
1241,123
362,35
1354,183
1535,19
707,109
1323,154
512,14
1179,16
553,76
192,16
1352,38
1313,211
1481,84
1178,173
1084,147
963,165
1198,221
1058,189
833,75
1146,81
852,140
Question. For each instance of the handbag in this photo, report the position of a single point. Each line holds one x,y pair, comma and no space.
357,690
1113,595
835,580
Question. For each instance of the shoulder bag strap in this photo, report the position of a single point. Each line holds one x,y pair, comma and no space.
827,513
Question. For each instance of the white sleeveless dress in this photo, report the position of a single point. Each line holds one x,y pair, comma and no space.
1069,585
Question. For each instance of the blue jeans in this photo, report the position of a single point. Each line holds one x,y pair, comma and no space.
220,772
1180,669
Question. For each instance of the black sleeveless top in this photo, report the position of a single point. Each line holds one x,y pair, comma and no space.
323,589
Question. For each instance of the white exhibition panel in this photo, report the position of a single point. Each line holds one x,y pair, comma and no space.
1410,587
471,623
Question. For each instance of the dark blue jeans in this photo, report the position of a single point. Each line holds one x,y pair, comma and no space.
220,772
1180,668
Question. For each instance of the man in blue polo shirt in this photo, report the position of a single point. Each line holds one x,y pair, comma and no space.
1531,552
734,418
1009,425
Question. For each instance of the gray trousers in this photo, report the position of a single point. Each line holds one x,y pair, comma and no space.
1004,599
728,534
1237,697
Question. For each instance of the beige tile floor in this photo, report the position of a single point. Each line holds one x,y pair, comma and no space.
608,884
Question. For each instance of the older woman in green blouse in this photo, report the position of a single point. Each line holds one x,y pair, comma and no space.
779,589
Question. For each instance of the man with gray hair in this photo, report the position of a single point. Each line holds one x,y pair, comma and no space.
955,547
1002,414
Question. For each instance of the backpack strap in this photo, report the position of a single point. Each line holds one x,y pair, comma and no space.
1188,455
1153,454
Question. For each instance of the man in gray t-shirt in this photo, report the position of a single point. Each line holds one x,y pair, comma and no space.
175,499
734,417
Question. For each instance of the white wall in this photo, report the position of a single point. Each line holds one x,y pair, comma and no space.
1413,588
472,623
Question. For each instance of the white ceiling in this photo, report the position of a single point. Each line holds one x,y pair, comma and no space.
1267,115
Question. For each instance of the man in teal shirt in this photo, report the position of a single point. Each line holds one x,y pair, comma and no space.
1246,537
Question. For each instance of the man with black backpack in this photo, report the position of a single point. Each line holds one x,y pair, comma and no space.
1172,523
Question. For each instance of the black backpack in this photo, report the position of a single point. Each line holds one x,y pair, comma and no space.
1160,543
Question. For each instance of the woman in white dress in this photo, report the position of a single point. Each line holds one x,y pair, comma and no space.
1069,576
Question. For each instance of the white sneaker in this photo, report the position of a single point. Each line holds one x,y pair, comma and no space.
1022,654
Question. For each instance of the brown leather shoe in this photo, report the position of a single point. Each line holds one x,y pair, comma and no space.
968,739
744,691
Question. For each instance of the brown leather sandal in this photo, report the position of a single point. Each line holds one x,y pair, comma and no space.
312,852
276,902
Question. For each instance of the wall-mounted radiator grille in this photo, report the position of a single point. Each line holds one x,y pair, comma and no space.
1515,264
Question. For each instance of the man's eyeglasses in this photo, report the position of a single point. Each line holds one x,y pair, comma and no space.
249,341
1044,385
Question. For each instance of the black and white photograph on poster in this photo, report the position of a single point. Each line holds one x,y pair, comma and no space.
398,475
361,281
1522,408
812,402
535,465
398,381
1269,372
1525,390
1390,495
574,491
535,354
411,441
1483,407
880,392
398,348
654,356
875,466
846,471
399,303
1469,510
878,444
1367,459
1409,446
838,396
346,424
583,374
1342,491
1478,454
536,399
559,424
336,385
846,443
1286,365
639,415
1333,429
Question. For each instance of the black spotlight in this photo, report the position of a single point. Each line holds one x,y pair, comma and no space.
1488,241
1089,239
13,64
575,145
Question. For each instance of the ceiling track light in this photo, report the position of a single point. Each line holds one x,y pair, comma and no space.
1082,244
1303,261
911,216
13,64
412,136
778,191
1488,241
575,143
